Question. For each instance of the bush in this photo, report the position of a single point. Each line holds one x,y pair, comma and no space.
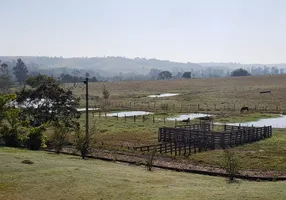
36,138
10,138
12,132
83,144
150,160
59,138
231,164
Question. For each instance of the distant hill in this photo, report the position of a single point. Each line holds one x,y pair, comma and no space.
104,65
125,67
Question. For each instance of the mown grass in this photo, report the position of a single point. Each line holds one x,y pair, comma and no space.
68,177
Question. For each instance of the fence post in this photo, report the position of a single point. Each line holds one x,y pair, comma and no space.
175,148
134,117
222,141
125,118
164,120
117,116
105,115
175,122
153,119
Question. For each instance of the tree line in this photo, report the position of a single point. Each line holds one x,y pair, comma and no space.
19,73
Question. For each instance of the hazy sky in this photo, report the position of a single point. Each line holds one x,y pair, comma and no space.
246,31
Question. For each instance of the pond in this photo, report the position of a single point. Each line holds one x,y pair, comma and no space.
83,109
128,113
186,116
277,122
163,95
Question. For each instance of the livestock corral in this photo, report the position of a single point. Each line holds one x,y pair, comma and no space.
188,139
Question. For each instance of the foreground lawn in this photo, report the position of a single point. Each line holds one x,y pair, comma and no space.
68,177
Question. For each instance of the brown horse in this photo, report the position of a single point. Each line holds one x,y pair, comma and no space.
244,108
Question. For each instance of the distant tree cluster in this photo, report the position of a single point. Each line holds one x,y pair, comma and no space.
240,72
67,78
187,75
164,75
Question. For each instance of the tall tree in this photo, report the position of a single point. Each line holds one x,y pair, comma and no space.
5,78
165,75
105,94
44,101
21,71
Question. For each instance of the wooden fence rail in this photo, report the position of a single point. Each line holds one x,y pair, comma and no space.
196,138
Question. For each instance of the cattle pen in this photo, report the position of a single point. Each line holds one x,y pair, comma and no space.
189,139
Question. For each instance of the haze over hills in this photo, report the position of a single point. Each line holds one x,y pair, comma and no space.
126,67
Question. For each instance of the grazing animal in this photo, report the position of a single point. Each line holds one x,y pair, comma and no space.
207,118
244,108
186,120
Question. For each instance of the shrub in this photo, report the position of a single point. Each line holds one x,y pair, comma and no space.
231,164
59,138
150,160
36,138
82,143
12,132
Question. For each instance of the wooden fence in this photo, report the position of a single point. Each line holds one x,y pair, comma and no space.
197,138
184,106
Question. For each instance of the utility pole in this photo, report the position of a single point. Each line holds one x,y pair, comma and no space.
86,111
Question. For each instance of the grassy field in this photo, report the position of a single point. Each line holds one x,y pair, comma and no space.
265,155
219,96
68,177
210,94
269,154
113,132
